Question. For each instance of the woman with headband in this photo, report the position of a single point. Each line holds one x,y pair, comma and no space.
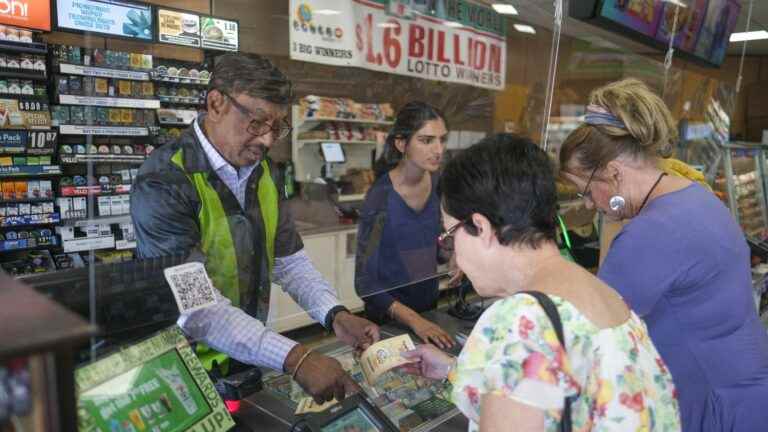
681,261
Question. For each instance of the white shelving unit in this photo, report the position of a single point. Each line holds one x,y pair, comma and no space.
306,156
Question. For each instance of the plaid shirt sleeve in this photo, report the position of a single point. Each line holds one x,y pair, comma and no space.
228,329
300,279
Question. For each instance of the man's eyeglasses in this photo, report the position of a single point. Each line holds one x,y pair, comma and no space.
445,240
587,193
260,128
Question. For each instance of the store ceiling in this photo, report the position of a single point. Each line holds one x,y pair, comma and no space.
540,12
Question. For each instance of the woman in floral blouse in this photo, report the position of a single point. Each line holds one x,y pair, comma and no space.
499,204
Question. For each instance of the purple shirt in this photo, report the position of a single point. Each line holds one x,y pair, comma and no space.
684,266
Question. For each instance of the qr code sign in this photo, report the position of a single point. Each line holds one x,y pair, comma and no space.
191,286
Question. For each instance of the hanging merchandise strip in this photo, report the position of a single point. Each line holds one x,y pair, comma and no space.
671,49
552,74
744,48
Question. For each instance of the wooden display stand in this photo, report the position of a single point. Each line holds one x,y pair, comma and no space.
37,328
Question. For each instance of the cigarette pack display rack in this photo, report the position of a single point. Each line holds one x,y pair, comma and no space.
182,89
37,360
28,167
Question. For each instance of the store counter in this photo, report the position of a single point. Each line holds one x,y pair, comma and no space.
273,408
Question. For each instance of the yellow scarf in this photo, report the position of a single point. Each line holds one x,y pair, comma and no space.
681,169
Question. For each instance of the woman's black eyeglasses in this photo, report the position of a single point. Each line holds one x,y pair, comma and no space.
445,240
587,193
257,127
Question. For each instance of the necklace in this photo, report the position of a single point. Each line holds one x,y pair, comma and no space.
658,180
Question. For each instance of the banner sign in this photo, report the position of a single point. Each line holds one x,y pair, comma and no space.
177,27
109,17
155,385
31,14
457,41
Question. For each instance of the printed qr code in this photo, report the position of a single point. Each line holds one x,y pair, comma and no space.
193,289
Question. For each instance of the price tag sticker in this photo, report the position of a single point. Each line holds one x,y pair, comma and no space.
42,142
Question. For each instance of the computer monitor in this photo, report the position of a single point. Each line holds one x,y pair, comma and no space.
332,152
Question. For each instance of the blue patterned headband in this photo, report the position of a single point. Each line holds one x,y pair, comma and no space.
599,116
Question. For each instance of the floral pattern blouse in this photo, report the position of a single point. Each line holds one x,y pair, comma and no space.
617,377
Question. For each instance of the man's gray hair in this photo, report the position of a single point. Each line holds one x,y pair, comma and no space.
253,75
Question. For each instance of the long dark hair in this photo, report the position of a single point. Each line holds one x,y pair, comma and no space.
409,120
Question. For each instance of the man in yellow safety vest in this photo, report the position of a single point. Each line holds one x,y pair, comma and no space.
214,193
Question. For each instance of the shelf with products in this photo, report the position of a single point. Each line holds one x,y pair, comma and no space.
12,73
95,60
178,80
23,47
109,102
181,72
98,236
114,159
29,170
103,130
180,100
105,121
29,220
95,190
112,152
176,117
356,126
32,143
103,72
98,220
28,244
741,184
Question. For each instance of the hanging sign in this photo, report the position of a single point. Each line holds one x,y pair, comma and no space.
458,41
31,14
219,34
109,17
178,28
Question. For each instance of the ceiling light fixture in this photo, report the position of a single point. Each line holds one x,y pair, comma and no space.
504,8
522,28
749,36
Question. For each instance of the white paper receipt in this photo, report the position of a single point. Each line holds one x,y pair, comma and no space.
191,286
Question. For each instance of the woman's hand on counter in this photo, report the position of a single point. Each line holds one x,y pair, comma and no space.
430,332
355,331
428,361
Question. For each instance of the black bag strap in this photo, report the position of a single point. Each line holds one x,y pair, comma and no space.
550,309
